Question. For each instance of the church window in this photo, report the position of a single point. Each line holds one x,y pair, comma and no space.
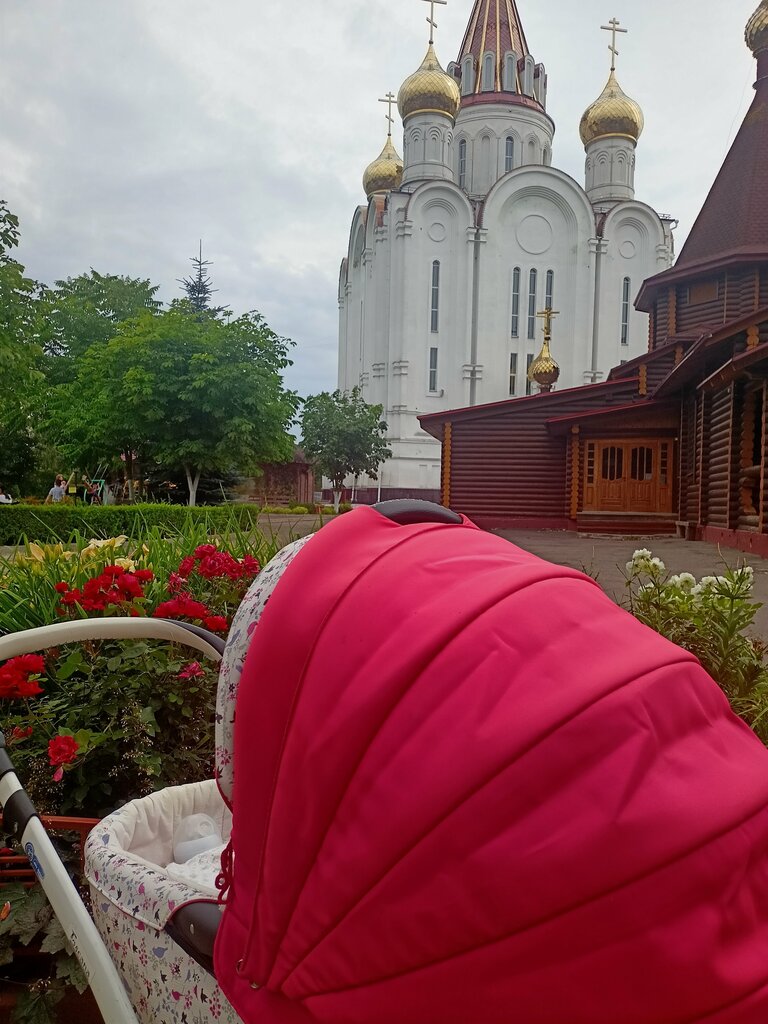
528,381
509,155
625,297
528,76
462,163
489,73
435,307
516,302
513,373
510,72
467,76
432,370
532,281
550,298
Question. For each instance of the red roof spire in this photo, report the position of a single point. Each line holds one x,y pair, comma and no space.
494,28
734,219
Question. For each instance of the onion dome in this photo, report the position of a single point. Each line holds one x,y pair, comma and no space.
544,370
756,34
429,90
386,171
613,113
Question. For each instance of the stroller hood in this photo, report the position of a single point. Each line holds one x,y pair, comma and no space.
469,789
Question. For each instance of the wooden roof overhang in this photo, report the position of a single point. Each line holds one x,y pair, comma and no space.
692,364
679,274
734,368
433,423
632,366
628,419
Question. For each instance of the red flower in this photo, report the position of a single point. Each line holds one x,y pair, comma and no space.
186,566
16,677
192,670
113,571
61,588
18,734
216,624
175,583
34,664
62,750
205,550
144,575
251,565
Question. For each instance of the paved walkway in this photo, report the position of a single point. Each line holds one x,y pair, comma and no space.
606,557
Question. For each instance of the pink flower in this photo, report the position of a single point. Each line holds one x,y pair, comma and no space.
58,775
192,670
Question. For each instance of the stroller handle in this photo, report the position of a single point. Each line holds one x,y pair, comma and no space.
407,511
28,640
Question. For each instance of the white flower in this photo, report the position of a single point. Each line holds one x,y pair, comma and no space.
686,579
641,555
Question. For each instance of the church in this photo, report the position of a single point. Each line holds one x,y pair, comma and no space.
469,238
674,439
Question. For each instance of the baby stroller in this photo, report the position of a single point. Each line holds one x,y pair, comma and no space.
461,787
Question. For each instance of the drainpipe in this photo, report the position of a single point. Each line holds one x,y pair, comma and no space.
598,249
477,240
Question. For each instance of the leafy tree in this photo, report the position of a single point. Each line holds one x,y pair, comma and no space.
199,287
343,435
87,309
194,395
21,331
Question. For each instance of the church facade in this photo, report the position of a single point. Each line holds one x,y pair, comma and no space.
675,439
464,242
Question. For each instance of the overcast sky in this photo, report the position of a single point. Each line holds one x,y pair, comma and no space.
129,129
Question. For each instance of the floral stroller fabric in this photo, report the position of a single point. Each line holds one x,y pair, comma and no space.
466,788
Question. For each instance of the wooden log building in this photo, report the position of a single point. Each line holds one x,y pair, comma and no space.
676,439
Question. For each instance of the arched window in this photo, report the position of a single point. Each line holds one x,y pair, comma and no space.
528,381
509,155
462,163
528,76
626,292
550,291
467,76
435,305
516,302
532,282
510,72
513,373
489,73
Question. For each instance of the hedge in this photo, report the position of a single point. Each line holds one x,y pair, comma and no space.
51,523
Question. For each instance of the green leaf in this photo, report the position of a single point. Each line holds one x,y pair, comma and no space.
55,939
70,971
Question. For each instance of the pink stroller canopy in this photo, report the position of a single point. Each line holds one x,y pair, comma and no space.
469,789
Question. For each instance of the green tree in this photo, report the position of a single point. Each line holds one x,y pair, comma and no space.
21,333
343,435
199,287
191,394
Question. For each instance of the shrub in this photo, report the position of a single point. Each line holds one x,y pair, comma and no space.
710,618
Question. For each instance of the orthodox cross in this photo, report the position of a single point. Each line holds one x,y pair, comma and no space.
389,99
431,19
613,28
548,316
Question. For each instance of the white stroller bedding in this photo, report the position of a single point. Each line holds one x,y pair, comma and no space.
200,872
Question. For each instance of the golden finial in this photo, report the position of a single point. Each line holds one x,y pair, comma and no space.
385,173
431,19
544,370
756,33
613,28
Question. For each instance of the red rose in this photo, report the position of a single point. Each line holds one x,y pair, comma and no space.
192,670
144,575
113,571
62,750
18,734
33,664
61,588
186,565
205,550
216,624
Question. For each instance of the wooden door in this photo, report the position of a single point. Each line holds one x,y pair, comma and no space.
628,476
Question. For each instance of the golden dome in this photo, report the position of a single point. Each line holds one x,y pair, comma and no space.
613,113
756,34
544,370
429,89
385,173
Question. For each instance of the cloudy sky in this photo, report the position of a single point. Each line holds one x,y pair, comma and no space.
129,129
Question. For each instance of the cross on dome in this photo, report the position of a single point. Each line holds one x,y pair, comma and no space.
390,99
431,19
548,315
613,28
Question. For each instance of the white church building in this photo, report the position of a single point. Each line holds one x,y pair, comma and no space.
471,235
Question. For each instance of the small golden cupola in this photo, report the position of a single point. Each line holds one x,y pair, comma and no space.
756,33
612,114
544,371
385,173
430,90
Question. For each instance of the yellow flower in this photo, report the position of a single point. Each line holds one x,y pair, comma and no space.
126,563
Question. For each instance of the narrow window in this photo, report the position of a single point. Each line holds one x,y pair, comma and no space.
509,155
516,302
532,305
433,370
528,381
489,77
513,373
435,297
462,163
625,311
550,303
